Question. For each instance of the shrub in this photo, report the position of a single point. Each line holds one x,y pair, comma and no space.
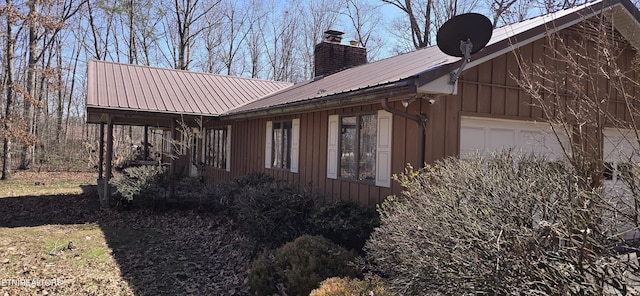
299,266
499,225
272,213
224,194
346,223
335,286
141,184
253,179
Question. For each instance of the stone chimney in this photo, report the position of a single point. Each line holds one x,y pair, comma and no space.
331,56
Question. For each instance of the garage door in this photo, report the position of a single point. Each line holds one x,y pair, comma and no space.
481,135
620,153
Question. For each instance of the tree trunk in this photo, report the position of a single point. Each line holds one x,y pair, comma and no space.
30,97
60,103
6,160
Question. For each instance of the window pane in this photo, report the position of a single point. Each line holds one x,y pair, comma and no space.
216,148
607,173
348,147
225,148
194,150
368,142
286,145
276,149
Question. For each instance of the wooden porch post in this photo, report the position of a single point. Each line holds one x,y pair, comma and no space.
174,154
101,149
146,142
109,157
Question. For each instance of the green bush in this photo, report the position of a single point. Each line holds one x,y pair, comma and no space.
346,223
298,267
272,213
501,225
336,286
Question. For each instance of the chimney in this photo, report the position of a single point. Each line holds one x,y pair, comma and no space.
331,56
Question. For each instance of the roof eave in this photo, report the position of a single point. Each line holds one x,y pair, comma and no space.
514,42
363,96
98,114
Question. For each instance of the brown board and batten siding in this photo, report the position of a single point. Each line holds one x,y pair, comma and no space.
248,139
491,90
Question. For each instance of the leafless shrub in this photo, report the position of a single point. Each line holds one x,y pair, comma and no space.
498,225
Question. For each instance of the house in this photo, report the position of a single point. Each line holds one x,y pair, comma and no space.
347,131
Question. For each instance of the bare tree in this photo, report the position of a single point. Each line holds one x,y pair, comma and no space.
43,26
281,43
319,16
583,83
9,12
188,16
254,43
509,11
365,20
236,24
420,19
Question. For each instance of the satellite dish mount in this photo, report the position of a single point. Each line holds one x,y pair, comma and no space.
462,36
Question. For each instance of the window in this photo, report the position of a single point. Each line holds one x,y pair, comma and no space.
282,142
166,142
217,143
358,141
359,147
281,147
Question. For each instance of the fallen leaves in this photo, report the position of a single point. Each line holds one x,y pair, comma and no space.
118,253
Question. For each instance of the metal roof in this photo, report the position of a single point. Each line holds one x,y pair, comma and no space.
433,63
360,77
139,88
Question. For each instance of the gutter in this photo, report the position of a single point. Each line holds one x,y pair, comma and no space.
420,119
400,88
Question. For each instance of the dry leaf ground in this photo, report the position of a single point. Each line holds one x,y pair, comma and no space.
112,252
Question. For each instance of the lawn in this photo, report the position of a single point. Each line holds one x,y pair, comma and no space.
56,240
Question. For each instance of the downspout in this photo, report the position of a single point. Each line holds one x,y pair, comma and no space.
420,119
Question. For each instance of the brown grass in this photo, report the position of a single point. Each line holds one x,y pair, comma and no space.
113,253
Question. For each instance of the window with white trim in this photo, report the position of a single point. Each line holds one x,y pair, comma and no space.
282,142
358,135
281,146
359,147
217,143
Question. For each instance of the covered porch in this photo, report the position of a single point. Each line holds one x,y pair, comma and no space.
161,99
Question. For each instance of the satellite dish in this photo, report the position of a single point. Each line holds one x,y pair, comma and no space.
462,36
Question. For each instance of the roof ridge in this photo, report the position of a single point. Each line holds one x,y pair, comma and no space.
188,71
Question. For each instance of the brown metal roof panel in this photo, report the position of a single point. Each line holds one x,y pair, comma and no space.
154,100
133,88
122,86
157,92
120,89
139,100
147,85
204,101
103,93
173,96
364,76
186,94
228,93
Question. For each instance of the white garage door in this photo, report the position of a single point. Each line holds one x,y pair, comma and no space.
620,151
481,135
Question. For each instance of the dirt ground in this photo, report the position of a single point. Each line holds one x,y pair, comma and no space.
56,240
